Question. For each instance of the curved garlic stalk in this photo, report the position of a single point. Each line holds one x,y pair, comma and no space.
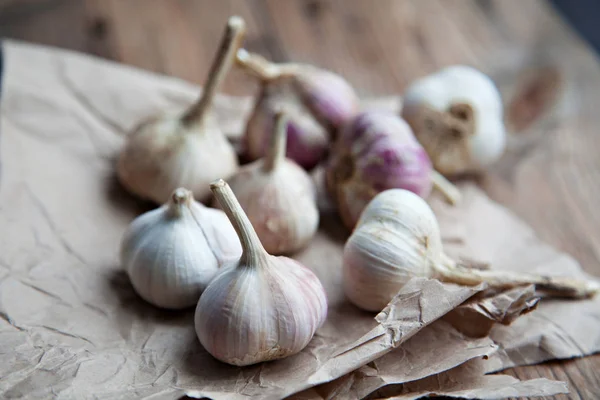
173,252
317,101
398,238
261,307
453,272
188,150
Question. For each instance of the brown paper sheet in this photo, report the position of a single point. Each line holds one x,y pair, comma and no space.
71,325
488,308
467,382
433,350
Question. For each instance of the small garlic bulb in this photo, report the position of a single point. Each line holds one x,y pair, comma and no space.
374,152
456,114
183,151
173,252
261,307
317,101
278,196
397,237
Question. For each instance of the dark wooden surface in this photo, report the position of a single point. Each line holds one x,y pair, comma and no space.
549,77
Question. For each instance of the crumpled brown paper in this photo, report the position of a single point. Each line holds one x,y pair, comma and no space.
435,349
488,308
70,324
466,382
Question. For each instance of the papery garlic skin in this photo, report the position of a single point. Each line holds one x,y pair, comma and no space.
457,115
388,247
374,152
164,154
173,252
268,313
260,307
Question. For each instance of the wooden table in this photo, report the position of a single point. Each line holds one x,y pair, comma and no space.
549,78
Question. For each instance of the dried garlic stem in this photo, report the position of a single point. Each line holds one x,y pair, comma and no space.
556,286
230,43
445,187
253,250
265,69
277,150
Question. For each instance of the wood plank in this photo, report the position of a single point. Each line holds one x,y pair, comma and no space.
550,174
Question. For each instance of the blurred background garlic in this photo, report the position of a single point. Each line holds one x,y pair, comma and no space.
261,307
188,150
398,238
317,101
278,196
374,152
173,252
457,115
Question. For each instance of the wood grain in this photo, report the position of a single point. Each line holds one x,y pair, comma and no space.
550,79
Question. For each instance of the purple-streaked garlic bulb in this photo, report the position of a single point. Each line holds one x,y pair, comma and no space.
378,151
318,103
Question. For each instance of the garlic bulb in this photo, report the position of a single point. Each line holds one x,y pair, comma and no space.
278,196
261,307
317,101
456,114
188,150
397,237
374,152
173,252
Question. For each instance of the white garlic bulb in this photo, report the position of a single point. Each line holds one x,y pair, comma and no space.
278,196
261,307
397,238
457,115
173,252
183,151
